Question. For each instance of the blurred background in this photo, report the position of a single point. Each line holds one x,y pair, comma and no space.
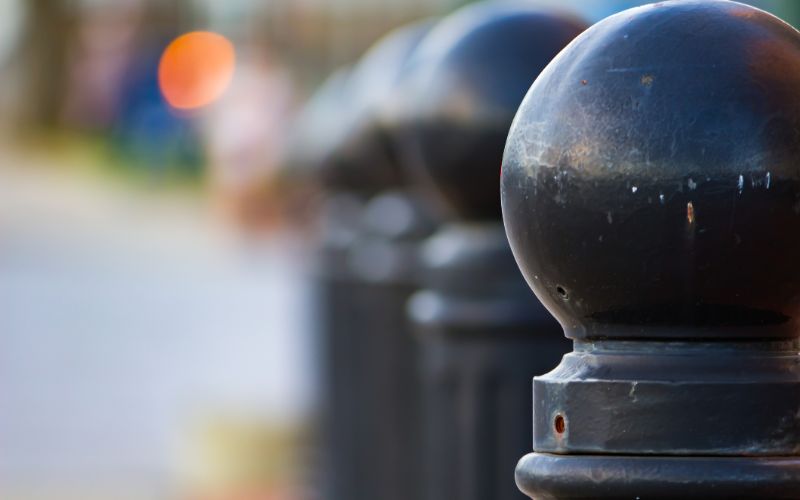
157,331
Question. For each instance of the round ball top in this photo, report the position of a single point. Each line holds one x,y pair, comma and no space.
650,183
464,84
359,156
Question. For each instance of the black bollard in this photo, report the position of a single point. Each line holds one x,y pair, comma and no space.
481,336
651,194
366,272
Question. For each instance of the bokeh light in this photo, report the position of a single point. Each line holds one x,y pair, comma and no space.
196,69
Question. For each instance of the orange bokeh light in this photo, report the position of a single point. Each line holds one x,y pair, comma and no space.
195,69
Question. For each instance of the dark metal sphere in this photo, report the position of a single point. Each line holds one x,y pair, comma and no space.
651,179
464,85
361,157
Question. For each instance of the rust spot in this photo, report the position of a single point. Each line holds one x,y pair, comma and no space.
559,424
690,212
647,80
584,82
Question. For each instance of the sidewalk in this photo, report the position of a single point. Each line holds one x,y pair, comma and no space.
125,317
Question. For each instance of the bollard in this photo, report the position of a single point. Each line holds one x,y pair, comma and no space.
481,338
366,272
651,194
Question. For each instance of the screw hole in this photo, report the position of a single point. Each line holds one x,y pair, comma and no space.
559,424
562,292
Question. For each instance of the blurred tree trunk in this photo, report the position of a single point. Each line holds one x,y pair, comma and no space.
41,62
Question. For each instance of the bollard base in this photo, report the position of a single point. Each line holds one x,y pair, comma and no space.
671,398
544,476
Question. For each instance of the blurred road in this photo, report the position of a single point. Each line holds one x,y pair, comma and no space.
124,317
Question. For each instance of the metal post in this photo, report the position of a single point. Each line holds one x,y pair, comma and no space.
480,335
651,195
366,272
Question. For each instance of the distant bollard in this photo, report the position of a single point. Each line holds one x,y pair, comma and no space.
482,337
372,396
385,263
651,194
366,272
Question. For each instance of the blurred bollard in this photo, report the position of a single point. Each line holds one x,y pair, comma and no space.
651,196
482,337
366,271
371,415
384,263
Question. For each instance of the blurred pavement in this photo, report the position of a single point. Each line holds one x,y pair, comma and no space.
124,317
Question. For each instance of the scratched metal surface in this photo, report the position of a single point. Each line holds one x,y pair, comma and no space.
651,178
